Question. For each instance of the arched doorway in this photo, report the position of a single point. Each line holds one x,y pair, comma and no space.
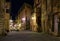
56,23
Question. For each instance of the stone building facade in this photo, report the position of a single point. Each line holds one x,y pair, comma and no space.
54,17
7,14
39,17
3,17
2,20
24,16
49,15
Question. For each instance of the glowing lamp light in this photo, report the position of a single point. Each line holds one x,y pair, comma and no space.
20,25
11,20
23,19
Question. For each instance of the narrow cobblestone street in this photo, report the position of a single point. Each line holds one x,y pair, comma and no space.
28,36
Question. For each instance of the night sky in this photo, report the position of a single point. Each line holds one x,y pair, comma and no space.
16,5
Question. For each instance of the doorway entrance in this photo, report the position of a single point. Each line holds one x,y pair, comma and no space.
59,26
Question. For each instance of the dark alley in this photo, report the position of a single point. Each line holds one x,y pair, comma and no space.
29,20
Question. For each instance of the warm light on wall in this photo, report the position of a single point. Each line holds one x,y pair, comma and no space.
34,17
20,25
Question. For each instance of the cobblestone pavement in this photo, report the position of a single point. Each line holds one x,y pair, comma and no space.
28,36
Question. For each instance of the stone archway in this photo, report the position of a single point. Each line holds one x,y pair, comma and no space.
56,24
59,24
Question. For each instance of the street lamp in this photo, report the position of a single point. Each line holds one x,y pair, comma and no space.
23,19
